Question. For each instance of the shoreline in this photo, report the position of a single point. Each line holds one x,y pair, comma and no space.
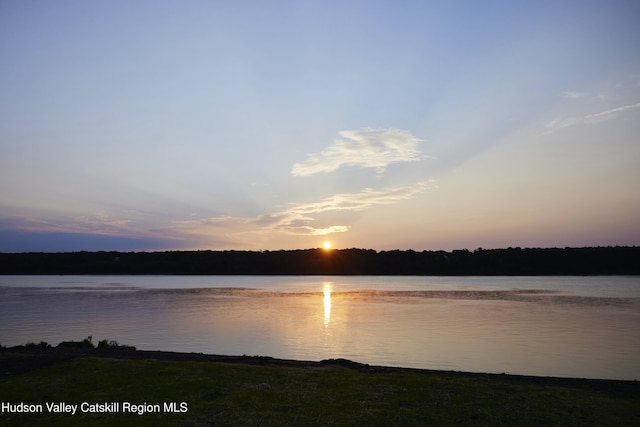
97,386
353,261
20,359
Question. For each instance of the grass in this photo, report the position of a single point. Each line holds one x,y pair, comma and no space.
234,394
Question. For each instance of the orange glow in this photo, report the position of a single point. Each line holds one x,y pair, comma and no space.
327,245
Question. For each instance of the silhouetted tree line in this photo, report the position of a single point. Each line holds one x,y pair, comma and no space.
511,261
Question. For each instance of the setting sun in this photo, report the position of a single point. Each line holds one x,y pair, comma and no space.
327,245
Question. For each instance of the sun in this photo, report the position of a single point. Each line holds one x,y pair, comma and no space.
326,245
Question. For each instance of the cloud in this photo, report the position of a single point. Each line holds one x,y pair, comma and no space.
75,233
573,95
609,114
27,241
311,231
295,220
298,218
366,148
605,115
361,200
99,224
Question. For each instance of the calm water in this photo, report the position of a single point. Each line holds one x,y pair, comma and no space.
557,326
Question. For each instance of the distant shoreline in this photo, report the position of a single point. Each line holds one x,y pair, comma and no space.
618,260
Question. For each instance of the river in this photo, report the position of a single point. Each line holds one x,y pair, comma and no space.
587,327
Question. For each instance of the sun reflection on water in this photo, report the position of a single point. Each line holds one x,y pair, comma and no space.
327,287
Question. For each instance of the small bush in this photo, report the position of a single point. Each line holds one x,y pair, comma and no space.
108,344
88,341
42,344
114,345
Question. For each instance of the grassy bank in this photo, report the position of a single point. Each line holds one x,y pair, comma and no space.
268,392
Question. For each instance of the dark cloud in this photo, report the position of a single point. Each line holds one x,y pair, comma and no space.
26,241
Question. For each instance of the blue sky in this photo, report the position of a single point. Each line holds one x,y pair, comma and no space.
154,125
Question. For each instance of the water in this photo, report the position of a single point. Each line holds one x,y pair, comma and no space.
551,326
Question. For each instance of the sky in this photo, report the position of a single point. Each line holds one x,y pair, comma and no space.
426,125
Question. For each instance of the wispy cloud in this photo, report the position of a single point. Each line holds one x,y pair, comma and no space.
367,148
573,95
88,232
99,223
295,219
298,218
601,116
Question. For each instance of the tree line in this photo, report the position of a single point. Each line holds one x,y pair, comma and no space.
510,261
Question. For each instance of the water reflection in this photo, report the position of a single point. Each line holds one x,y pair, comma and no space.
327,287
495,326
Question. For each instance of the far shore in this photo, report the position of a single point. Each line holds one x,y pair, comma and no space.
483,262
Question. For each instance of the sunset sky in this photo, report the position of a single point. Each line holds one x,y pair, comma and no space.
162,125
